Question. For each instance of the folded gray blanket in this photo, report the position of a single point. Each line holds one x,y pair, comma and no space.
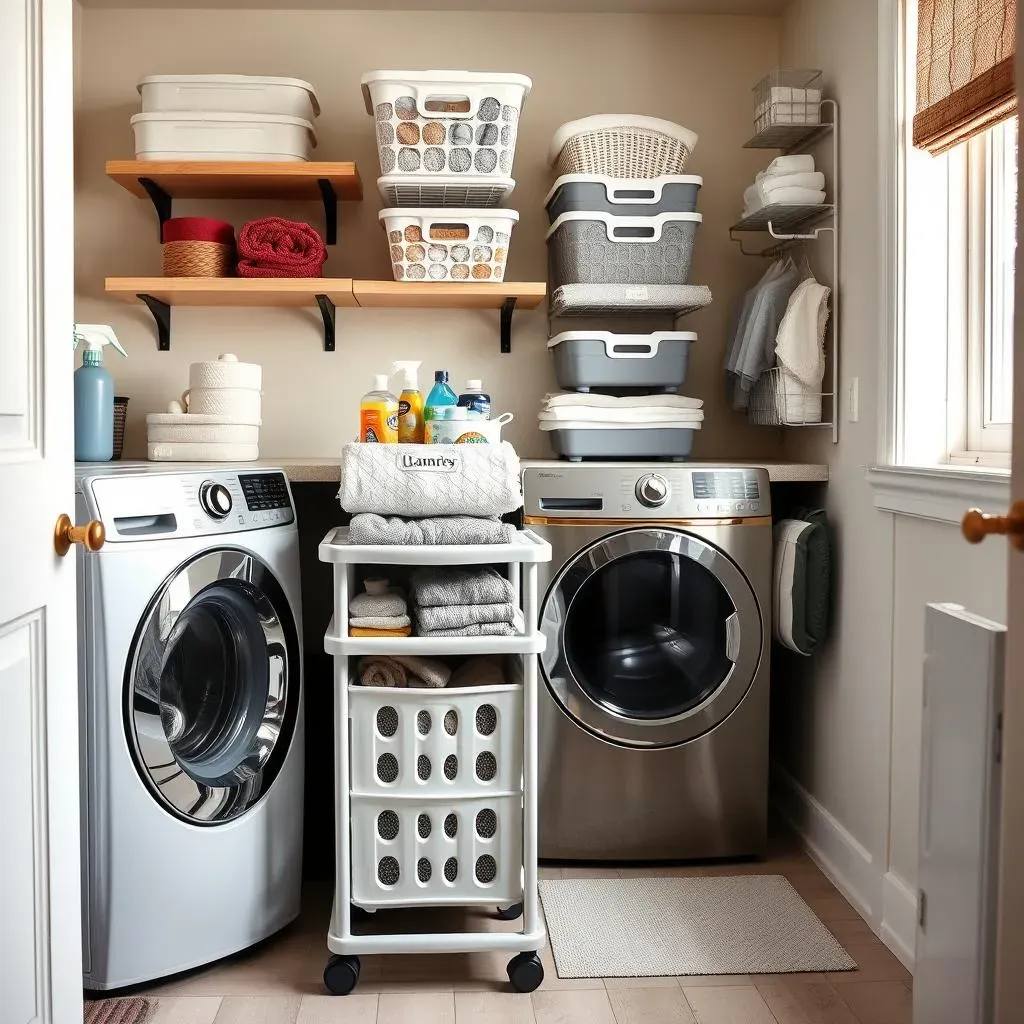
444,586
367,528
455,616
477,629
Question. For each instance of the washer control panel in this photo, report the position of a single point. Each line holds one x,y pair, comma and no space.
644,491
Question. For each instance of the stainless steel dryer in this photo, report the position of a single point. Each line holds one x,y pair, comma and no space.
654,716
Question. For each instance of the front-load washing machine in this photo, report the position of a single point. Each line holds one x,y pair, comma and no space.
192,725
654,712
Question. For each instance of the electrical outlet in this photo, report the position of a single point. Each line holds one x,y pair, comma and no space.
853,401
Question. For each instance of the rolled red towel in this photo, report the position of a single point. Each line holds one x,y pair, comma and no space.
273,247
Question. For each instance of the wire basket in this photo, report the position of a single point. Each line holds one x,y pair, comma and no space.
120,418
781,399
788,96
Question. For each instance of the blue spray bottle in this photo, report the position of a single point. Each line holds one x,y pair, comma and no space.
94,395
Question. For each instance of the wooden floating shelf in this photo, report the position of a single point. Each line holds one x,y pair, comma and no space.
160,294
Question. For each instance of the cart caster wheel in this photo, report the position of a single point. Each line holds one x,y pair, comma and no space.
512,913
341,974
525,971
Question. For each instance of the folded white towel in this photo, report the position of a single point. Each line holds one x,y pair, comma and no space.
577,398
799,163
801,179
591,425
783,197
603,414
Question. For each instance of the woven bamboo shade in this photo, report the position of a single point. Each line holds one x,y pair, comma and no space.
965,51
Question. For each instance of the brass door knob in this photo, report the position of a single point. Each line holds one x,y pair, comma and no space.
65,533
977,525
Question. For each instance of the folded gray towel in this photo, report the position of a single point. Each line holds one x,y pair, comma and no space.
477,629
367,528
443,586
390,603
379,621
455,616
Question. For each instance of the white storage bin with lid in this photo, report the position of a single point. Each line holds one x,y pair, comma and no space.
445,122
621,146
448,244
241,94
603,359
212,135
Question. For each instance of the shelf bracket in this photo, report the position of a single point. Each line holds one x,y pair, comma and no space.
330,200
161,202
507,309
162,315
328,312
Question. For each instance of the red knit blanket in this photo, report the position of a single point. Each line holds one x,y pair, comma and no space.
273,247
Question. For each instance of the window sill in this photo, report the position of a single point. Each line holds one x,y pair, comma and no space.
940,494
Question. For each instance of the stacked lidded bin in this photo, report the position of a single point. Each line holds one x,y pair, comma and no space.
624,222
446,141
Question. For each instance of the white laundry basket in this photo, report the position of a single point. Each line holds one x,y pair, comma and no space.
444,122
448,244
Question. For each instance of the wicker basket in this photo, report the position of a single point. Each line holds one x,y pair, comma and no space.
623,153
198,259
120,416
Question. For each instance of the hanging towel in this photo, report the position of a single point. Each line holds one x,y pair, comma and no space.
455,616
796,164
734,358
379,599
274,247
575,398
381,672
379,621
360,631
800,351
367,528
802,580
443,586
421,480
430,672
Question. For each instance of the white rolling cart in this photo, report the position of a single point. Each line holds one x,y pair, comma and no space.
436,789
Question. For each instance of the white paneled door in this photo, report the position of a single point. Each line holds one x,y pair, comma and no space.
40,910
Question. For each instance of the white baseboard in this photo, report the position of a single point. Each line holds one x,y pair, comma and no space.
847,864
899,918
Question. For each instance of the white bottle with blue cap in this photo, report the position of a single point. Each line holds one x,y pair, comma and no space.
94,395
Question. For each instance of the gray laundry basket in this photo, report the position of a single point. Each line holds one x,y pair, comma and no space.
623,197
576,444
591,247
602,359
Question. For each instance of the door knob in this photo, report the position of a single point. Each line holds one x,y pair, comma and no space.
977,525
65,533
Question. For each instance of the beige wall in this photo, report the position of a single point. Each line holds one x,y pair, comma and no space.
697,70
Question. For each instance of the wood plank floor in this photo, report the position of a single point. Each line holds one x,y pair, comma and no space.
280,981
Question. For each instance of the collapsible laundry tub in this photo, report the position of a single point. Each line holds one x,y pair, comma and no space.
244,94
579,440
591,247
624,197
602,359
622,146
445,122
448,245
209,135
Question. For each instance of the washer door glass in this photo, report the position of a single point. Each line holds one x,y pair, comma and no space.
214,687
654,637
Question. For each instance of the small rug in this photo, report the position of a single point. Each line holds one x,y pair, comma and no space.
655,927
118,1011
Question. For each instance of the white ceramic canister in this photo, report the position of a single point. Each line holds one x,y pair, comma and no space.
459,426
240,405
225,372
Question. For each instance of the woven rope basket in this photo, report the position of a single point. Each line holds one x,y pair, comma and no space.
198,259
623,153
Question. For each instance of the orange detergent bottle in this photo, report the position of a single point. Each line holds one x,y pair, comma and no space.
378,413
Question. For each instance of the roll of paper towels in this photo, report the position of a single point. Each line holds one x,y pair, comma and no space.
225,372
239,405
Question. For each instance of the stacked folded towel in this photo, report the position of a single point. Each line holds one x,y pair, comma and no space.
464,602
787,181
401,670
380,610
651,411
367,528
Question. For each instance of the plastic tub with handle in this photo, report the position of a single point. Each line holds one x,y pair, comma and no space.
581,440
603,359
624,197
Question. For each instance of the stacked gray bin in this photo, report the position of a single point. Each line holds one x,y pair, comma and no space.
636,234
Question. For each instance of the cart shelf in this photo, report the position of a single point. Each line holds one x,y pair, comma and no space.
527,547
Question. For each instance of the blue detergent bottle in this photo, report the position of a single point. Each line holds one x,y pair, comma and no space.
441,395
94,395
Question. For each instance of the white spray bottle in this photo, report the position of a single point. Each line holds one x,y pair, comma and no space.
94,395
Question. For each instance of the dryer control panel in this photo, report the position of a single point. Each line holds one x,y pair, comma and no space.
644,491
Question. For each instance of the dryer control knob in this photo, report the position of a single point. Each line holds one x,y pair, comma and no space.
215,499
652,490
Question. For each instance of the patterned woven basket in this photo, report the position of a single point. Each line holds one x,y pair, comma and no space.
198,259
120,416
624,152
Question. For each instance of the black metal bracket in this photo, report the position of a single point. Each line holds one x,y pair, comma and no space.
327,311
162,315
330,198
161,202
507,309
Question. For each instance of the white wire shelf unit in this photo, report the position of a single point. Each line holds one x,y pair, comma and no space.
789,226
435,789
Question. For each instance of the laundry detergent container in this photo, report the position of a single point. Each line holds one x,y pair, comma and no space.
580,440
603,359
623,197
593,247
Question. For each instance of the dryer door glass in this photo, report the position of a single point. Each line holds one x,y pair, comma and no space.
213,692
654,637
